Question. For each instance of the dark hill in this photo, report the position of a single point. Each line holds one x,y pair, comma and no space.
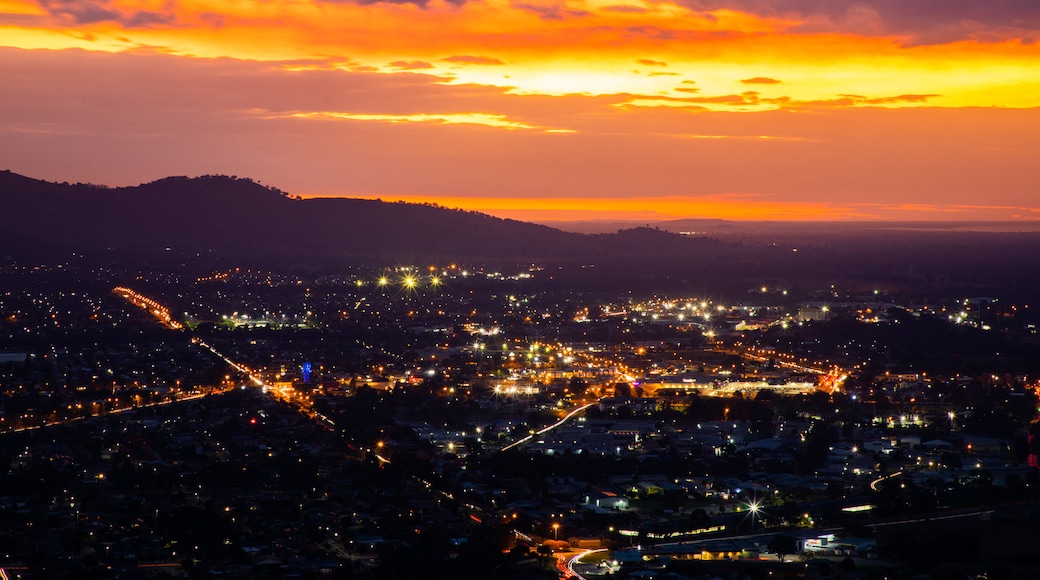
234,218
209,220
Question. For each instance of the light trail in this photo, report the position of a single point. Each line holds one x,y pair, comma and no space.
576,559
545,430
874,484
118,410
936,518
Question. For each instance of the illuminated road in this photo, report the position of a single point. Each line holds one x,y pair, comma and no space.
765,535
571,572
545,430
874,484
837,375
286,395
117,410
160,312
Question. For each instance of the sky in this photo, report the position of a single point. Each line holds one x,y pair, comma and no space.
543,109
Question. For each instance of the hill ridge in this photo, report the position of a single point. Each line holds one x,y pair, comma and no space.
236,217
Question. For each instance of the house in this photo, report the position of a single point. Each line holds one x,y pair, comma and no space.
606,501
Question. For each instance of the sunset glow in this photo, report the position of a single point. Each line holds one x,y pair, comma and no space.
744,109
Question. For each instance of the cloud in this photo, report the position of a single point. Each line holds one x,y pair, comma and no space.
860,100
485,119
76,115
213,19
411,64
554,12
468,59
761,81
651,32
84,12
919,21
591,54
747,137
900,99
625,9
304,64
419,3
754,101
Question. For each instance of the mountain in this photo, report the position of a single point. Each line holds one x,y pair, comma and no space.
235,218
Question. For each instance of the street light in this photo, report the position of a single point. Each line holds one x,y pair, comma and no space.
556,530
754,507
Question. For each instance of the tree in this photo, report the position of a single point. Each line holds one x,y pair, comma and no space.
545,555
699,518
782,545
951,460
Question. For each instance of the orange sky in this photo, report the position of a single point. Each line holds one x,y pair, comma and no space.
596,109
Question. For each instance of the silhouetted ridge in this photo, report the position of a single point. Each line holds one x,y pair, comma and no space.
234,217
223,187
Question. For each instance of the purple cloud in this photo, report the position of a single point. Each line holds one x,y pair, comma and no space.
558,12
80,12
921,21
419,3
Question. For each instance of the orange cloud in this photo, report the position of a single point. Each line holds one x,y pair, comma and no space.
467,59
432,98
486,119
554,47
411,65
761,81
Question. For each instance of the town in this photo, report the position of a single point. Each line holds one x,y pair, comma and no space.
459,421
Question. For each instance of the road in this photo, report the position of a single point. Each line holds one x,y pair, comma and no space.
545,430
874,484
768,534
570,572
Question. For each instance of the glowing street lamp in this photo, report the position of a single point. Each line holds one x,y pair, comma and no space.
556,530
754,507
